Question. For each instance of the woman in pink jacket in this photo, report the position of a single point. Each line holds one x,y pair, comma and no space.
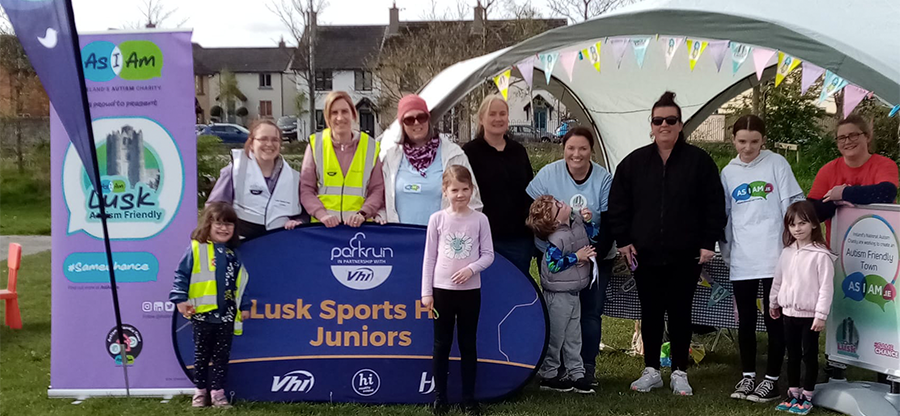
802,292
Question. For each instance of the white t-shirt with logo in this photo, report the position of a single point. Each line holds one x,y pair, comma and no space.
757,195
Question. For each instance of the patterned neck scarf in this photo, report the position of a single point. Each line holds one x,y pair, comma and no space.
421,157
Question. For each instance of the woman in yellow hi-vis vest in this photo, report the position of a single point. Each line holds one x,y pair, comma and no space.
209,289
341,180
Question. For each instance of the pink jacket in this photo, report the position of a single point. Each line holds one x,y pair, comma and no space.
804,282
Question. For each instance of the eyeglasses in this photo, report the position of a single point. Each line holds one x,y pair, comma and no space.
421,118
852,137
670,120
273,140
221,224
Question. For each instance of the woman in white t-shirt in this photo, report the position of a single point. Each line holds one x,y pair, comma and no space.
759,187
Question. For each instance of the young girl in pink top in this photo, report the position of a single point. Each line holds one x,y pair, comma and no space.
457,249
802,292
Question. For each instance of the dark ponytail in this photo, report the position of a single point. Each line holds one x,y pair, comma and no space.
668,100
749,122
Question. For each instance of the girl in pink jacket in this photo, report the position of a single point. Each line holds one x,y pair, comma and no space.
802,292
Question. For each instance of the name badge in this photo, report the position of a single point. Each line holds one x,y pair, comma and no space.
256,191
412,188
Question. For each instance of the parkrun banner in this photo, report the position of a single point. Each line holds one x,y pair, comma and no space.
864,325
337,317
141,93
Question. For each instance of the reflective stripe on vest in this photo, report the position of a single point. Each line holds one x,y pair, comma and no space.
241,285
343,195
203,292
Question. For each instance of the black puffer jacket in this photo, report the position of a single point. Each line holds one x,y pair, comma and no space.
668,211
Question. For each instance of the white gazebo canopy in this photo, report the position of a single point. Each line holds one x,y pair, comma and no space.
857,39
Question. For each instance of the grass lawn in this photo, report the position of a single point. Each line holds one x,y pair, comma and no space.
25,375
24,203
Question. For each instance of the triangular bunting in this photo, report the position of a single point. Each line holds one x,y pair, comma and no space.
853,95
549,62
761,58
526,68
639,45
810,74
739,54
567,59
695,49
502,82
894,110
833,84
619,45
671,45
592,53
786,64
717,49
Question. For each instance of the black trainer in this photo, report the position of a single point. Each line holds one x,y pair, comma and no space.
743,388
766,391
471,408
556,384
440,406
582,386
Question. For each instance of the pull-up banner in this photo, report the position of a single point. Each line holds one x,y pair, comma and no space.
337,316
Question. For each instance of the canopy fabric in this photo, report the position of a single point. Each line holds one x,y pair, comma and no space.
856,39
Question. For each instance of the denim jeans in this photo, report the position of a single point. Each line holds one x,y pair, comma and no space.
518,251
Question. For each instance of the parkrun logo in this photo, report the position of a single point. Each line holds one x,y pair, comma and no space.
753,189
359,267
133,60
296,381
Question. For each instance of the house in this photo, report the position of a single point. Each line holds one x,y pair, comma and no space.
266,87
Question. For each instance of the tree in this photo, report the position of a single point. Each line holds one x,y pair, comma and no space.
21,76
301,105
154,15
229,93
580,10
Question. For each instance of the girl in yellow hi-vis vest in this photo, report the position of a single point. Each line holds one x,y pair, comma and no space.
209,290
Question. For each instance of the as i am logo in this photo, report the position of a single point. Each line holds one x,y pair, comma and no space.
133,60
746,191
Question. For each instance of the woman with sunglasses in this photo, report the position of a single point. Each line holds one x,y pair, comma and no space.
413,169
667,208
857,177
262,187
503,170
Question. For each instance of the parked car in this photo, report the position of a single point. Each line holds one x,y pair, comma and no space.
229,133
563,128
524,133
199,128
288,126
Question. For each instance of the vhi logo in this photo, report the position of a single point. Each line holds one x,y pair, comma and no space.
298,380
360,267
133,60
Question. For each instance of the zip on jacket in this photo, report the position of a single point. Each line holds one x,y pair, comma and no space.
804,282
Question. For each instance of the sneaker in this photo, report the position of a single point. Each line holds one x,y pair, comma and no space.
680,385
787,404
743,388
583,386
472,408
199,399
766,391
440,406
801,407
650,379
219,400
556,384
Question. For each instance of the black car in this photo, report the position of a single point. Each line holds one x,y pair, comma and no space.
288,126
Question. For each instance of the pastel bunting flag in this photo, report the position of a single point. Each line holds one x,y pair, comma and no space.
853,95
567,59
639,46
786,64
549,62
717,49
894,110
810,74
619,46
526,68
695,49
739,54
833,84
761,58
671,44
502,82
592,53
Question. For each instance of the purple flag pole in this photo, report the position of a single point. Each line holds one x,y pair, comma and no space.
95,171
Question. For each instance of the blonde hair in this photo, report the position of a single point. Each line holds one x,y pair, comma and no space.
540,217
485,107
248,145
457,173
333,97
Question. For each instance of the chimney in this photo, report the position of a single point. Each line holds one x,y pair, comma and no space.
394,26
478,22
281,44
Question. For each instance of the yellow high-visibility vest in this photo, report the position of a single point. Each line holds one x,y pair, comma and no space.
343,195
202,292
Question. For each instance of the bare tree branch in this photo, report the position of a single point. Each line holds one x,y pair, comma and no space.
155,15
580,10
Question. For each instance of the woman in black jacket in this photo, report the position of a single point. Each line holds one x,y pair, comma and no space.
666,208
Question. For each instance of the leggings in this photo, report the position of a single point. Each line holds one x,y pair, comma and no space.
459,308
666,291
745,295
212,342
802,346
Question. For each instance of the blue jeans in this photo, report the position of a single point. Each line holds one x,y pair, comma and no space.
593,298
518,251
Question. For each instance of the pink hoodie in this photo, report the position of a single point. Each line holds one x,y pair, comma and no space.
803,284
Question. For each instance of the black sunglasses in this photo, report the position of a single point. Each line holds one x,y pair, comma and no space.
422,118
670,120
